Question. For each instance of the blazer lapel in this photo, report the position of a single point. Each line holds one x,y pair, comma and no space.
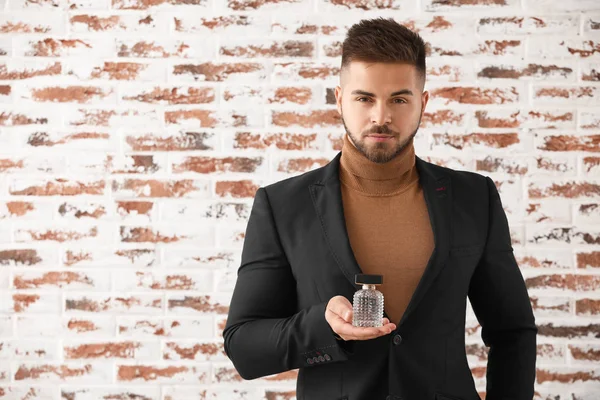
327,201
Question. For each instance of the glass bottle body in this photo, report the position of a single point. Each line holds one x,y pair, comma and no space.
367,307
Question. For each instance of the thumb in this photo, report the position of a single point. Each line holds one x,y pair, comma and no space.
348,315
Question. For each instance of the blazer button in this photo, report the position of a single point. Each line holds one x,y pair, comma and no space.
397,339
321,358
309,360
316,359
327,357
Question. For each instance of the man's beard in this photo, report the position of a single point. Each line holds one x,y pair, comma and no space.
378,154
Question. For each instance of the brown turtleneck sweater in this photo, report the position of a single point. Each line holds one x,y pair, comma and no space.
387,221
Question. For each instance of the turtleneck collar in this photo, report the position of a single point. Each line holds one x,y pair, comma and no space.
370,178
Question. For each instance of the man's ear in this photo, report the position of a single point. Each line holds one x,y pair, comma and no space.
424,100
338,99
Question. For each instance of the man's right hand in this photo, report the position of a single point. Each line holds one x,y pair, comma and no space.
338,314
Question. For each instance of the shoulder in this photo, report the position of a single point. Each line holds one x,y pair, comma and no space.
459,178
289,188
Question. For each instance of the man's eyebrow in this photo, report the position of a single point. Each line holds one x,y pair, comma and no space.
399,92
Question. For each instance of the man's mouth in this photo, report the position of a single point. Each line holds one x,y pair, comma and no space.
379,137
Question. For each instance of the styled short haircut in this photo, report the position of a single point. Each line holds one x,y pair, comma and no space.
384,40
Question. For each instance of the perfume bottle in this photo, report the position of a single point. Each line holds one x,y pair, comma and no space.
367,305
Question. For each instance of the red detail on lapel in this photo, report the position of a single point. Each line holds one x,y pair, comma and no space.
441,188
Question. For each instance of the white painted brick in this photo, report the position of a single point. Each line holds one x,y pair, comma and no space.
63,372
35,210
154,23
557,6
194,257
126,256
30,22
92,393
156,280
223,24
527,25
164,47
6,326
559,47
62,280
63,5
548,212
123,214
205,211
21,392
30,350
92,69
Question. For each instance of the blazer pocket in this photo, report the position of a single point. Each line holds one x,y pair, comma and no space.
439,396
466,250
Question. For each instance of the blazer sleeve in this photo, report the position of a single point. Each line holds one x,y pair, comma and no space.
265,333
499,299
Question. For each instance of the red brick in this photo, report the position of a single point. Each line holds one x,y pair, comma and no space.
212,72
309,119
180,141
492,140
10,71
589,353
202,304
207,165
55,235
295,165
589,143
102,350
570,377
569,331
26,257
569,189
304,70
205,118
146,4
59,279
506,165
51,47
591,259
59,187
173,95
476,95
270,49
156,188
94,211
530,71
245,5
193,351
281,141
442,118
587,307
236,189
564,281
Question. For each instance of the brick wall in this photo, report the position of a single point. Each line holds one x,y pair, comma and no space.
133,136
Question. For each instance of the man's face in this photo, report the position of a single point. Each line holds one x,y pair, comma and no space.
381,105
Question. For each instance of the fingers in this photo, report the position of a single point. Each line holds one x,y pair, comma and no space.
342,308
350,332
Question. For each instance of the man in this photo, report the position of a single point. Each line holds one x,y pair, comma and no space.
436,235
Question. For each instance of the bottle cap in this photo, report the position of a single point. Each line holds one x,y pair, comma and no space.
366,279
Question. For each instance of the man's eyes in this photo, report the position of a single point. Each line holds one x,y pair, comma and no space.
359,99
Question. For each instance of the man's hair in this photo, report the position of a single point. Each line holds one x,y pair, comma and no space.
384,40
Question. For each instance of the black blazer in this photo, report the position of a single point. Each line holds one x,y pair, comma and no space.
296,256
